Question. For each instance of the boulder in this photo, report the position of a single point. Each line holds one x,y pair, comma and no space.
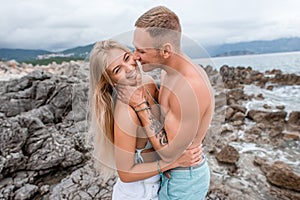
228,155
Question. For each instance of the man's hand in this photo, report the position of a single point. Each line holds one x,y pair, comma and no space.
190,157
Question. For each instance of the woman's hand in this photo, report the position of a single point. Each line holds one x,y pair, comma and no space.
132,95
190,157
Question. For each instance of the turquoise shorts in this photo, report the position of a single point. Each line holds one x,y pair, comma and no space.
186,183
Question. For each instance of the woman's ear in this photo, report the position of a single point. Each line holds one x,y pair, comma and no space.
167,50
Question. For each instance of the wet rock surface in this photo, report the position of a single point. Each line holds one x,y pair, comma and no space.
43,154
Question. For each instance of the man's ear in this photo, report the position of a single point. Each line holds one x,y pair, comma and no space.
167,50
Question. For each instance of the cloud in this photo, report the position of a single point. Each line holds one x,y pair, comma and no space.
57,25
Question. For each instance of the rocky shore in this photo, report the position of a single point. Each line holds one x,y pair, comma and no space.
43,154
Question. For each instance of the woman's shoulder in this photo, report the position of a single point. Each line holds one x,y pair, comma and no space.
124,111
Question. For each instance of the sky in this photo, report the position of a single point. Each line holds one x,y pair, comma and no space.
61,24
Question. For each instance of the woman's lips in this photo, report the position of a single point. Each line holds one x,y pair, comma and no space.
132,75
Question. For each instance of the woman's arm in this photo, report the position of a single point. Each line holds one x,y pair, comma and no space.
125,129
125,145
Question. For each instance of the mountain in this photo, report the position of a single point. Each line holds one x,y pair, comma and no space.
193,50
81,52
21,54
256,47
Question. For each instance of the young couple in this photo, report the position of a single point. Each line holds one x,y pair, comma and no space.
152,137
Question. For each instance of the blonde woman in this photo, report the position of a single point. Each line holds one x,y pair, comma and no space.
118,138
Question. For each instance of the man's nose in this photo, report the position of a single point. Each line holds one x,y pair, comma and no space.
136,55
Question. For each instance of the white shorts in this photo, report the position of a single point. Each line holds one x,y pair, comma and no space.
143,190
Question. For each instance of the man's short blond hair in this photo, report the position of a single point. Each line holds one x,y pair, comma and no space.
162,24
159,17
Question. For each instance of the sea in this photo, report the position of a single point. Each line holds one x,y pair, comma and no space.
287,62
288,96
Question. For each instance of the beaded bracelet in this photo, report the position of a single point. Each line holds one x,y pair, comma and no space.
158,167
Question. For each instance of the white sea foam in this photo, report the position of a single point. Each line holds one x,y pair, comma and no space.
288,96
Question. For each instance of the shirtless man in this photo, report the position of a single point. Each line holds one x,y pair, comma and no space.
185,97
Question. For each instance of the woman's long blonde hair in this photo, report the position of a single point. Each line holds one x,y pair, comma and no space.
101,106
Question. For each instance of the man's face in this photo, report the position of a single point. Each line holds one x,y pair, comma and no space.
145,52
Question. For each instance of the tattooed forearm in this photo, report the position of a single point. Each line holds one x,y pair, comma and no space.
162,136
155,125
158,128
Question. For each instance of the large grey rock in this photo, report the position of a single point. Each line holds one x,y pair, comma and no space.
26,192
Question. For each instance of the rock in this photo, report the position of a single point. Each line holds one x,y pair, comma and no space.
267,117
237,123
229,113
22,177
275,130
238,116
217,194
55,151
254,130
43,90
87,184
93,190
235,95
294,121
239,108
43,127
286,79
44,189
266,106
260,97
274,71
37,138
13,136
280,107
7,192
291,135
270,87
279,193
281,175
227,129
234,77
261,126
228,155
26,192
79,99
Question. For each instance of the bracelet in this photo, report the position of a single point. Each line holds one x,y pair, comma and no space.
141,104
147,108
158,167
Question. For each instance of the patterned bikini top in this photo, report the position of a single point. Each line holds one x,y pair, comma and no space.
138,158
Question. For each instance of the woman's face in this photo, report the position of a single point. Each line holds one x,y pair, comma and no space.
121,67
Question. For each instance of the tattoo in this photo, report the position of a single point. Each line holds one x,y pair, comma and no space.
158,128
154,124
162,136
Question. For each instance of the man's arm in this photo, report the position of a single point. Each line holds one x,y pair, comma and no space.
171,137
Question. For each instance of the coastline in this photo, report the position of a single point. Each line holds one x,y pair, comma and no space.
287,62
252,153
